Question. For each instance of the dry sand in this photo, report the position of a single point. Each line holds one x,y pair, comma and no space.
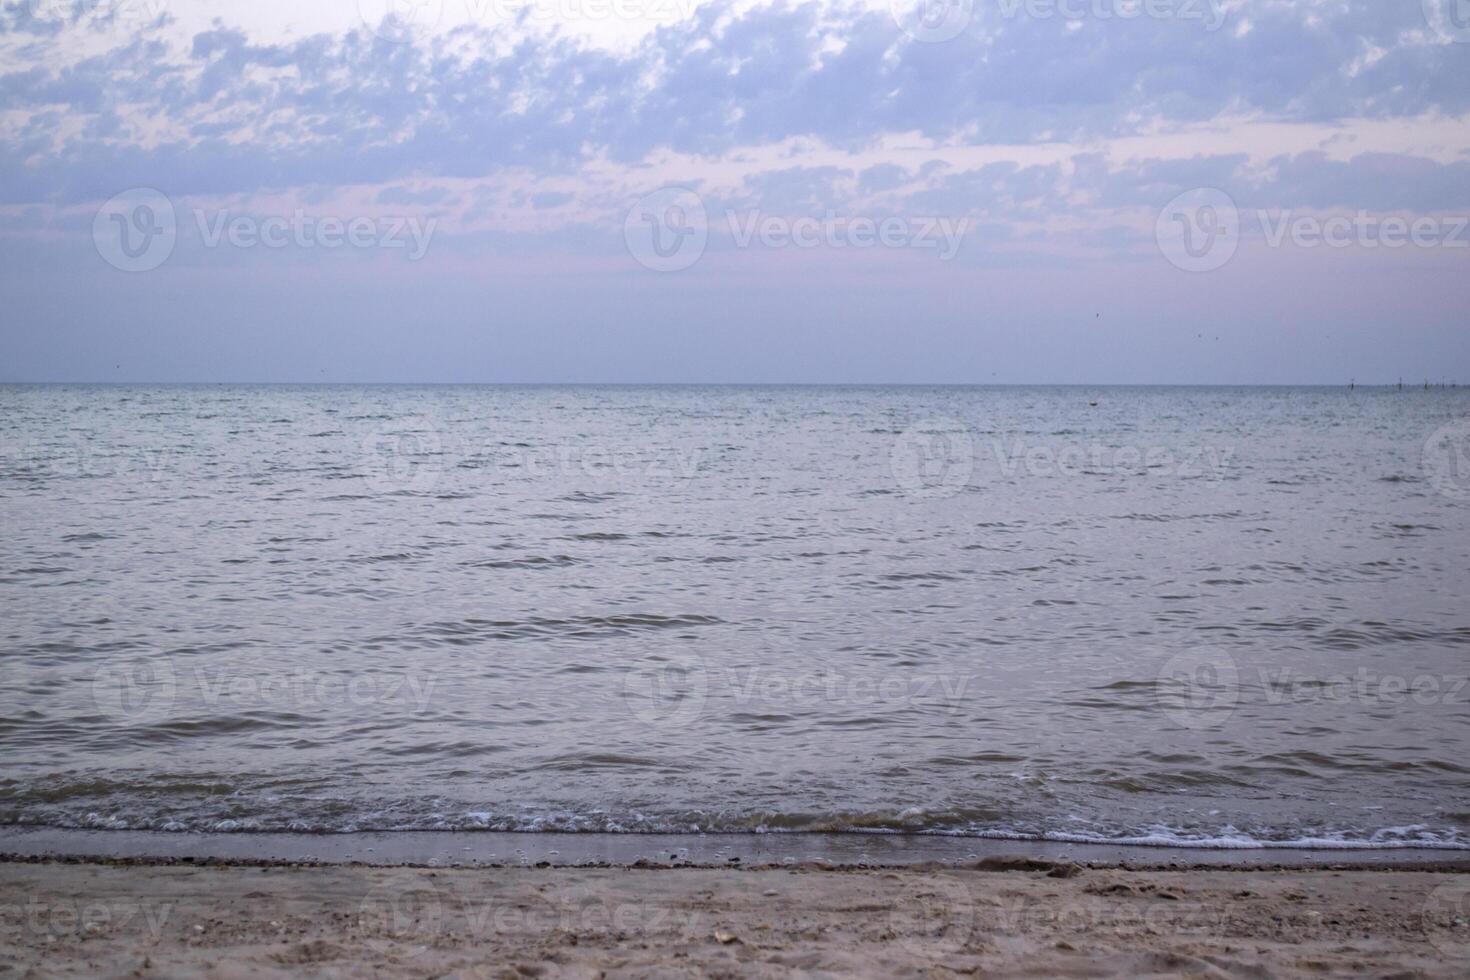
63,919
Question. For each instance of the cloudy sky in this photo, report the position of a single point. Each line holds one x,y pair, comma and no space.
670,190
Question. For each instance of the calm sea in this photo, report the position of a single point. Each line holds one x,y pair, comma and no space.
1161,614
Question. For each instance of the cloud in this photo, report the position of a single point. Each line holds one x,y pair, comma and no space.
228,115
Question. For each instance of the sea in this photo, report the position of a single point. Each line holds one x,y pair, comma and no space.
1208,616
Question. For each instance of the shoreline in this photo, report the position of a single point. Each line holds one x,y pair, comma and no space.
470,849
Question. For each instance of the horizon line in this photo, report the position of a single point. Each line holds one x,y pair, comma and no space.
1406,385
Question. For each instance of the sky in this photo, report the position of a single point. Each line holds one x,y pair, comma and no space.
947,191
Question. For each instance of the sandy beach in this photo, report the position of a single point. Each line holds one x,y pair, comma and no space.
1006,918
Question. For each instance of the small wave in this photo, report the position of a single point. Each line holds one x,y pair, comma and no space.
470,631
533,561
908,823
583,497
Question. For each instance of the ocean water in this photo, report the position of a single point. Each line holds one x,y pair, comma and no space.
1226,615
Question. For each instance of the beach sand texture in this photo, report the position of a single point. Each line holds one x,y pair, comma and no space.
79,919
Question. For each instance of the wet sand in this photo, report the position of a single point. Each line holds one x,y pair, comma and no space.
479,849
1008,917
